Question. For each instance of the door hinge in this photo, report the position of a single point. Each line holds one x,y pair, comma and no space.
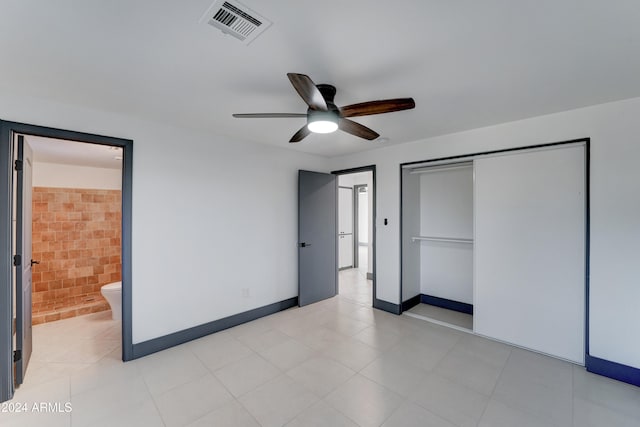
18,165
17,260
17,355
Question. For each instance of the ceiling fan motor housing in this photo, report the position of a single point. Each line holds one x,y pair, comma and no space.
328,92
315,115
333,112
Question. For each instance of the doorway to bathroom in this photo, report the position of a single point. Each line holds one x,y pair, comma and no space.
70,228
76,253
356,196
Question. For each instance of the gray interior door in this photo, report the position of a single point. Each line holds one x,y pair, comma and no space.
317,231
23,259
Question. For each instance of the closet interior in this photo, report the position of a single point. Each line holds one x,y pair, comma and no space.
495,244
437,224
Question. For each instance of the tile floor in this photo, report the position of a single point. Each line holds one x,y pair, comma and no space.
335,363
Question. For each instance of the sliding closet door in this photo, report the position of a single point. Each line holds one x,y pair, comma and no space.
530,250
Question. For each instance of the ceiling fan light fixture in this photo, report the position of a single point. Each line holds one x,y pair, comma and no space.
322,122
323,126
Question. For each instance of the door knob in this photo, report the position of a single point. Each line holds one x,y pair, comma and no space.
34,262
305,245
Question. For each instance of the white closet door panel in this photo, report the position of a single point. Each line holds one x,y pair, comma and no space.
530,250
345,209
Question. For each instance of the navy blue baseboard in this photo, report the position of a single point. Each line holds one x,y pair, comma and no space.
162,343
411,302
462,307
386,306
613,370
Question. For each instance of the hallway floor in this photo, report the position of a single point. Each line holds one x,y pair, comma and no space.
353,284
334,363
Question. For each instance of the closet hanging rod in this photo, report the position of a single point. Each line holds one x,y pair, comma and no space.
442,239
426,168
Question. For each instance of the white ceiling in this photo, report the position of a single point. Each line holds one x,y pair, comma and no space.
467,63
48,150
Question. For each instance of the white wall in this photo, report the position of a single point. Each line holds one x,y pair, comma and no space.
614,130
211,216
72,176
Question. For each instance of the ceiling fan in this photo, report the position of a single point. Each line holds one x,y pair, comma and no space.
323,116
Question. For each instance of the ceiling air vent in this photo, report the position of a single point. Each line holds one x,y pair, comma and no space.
236,19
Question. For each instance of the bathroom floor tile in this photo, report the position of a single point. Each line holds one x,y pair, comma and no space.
42,372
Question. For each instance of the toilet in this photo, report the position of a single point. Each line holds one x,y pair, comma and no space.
113,294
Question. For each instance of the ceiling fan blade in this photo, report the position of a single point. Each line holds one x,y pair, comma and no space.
357,129
301,134
268,115
377,107
308,91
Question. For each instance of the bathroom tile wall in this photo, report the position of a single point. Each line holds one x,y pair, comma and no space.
76,238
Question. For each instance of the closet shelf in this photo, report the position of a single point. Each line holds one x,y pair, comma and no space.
441,239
